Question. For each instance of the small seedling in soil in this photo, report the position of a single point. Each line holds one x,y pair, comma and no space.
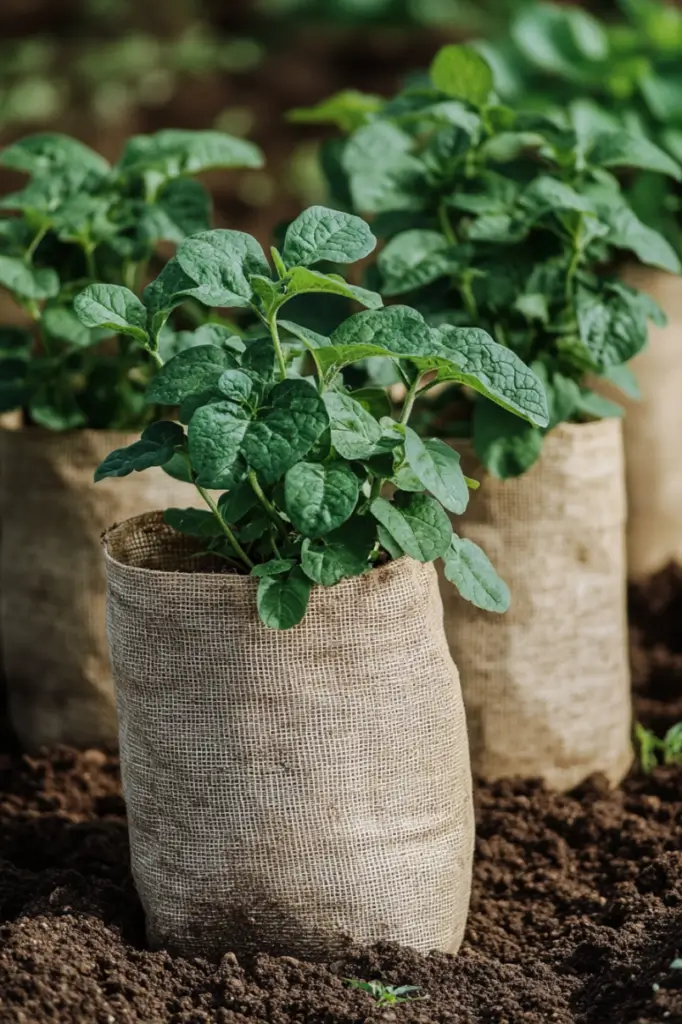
507,220
302,459
654,751
79,220
386,995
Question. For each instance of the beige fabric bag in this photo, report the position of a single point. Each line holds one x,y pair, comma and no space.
52,582
653,433
288,791
546,686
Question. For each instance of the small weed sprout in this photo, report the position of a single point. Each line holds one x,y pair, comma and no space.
654,751
386,995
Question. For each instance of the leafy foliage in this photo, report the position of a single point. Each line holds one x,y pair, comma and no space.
610,76
654,751
508,220
78,221
386,995
302,459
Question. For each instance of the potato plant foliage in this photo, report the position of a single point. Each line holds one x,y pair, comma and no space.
507,220
304,463
79,220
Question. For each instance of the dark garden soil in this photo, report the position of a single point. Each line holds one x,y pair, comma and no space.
576,913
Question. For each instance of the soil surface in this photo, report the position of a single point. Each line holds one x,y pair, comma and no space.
576,915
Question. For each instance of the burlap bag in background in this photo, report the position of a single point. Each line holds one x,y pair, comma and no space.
546,685
287,791
52,581
653,433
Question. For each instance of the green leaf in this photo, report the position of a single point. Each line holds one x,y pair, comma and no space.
156,447
25,281
320,496
113,306
506,446
323,234
190,372
61,322
170,289
216,434
471,571
462,72
612,326
173,153
301,280
419,526
276,567
627,231
621,149
546,195
53,408
194,522
221,262
348,110
342,553
374,400
389,543
413,259
624,379
283,600
284,435
597,407
354,431
383,173
235,385
49,153
437,466
183,208
235,503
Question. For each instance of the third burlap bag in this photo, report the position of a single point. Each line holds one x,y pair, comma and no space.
52,584
546,685
288,791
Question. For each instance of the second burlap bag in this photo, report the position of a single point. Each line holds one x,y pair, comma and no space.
547,686
288,791
52,582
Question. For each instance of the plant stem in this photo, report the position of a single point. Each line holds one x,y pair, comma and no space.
575,260
410,400
445,225
267,504
30,252
224,527
274,333
90,261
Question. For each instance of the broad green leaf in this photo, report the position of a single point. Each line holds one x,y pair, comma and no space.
419,525
276,567
194,522
235,385
610,327
506,445
462,72
259,358
48,153
183,208
170,289
216,433
173,153
624,379
320,496
235,503
626,231
221,262
172,344
354,431
25,281
61,322
342,553
437,467
195,370
597,407
389,543
283,600
284,434
321,234
383,173
348,110
311,339
156,447
413,259
301,280
113,306
496,372
546,195
471,571
621,149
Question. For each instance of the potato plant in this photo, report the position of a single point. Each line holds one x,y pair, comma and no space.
318,482
508,220
79,220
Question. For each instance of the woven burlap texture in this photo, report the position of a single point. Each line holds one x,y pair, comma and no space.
288,791
52,581
546,685
653,432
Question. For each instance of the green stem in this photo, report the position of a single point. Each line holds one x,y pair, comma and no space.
575,260
274,334
469,297
375,491
445,225
30,252
410,400
224,527
90,261
267,504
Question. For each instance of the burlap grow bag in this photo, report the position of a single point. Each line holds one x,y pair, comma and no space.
52,581
288,791
653,434
546,686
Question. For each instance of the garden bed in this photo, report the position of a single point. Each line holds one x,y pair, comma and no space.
576,912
